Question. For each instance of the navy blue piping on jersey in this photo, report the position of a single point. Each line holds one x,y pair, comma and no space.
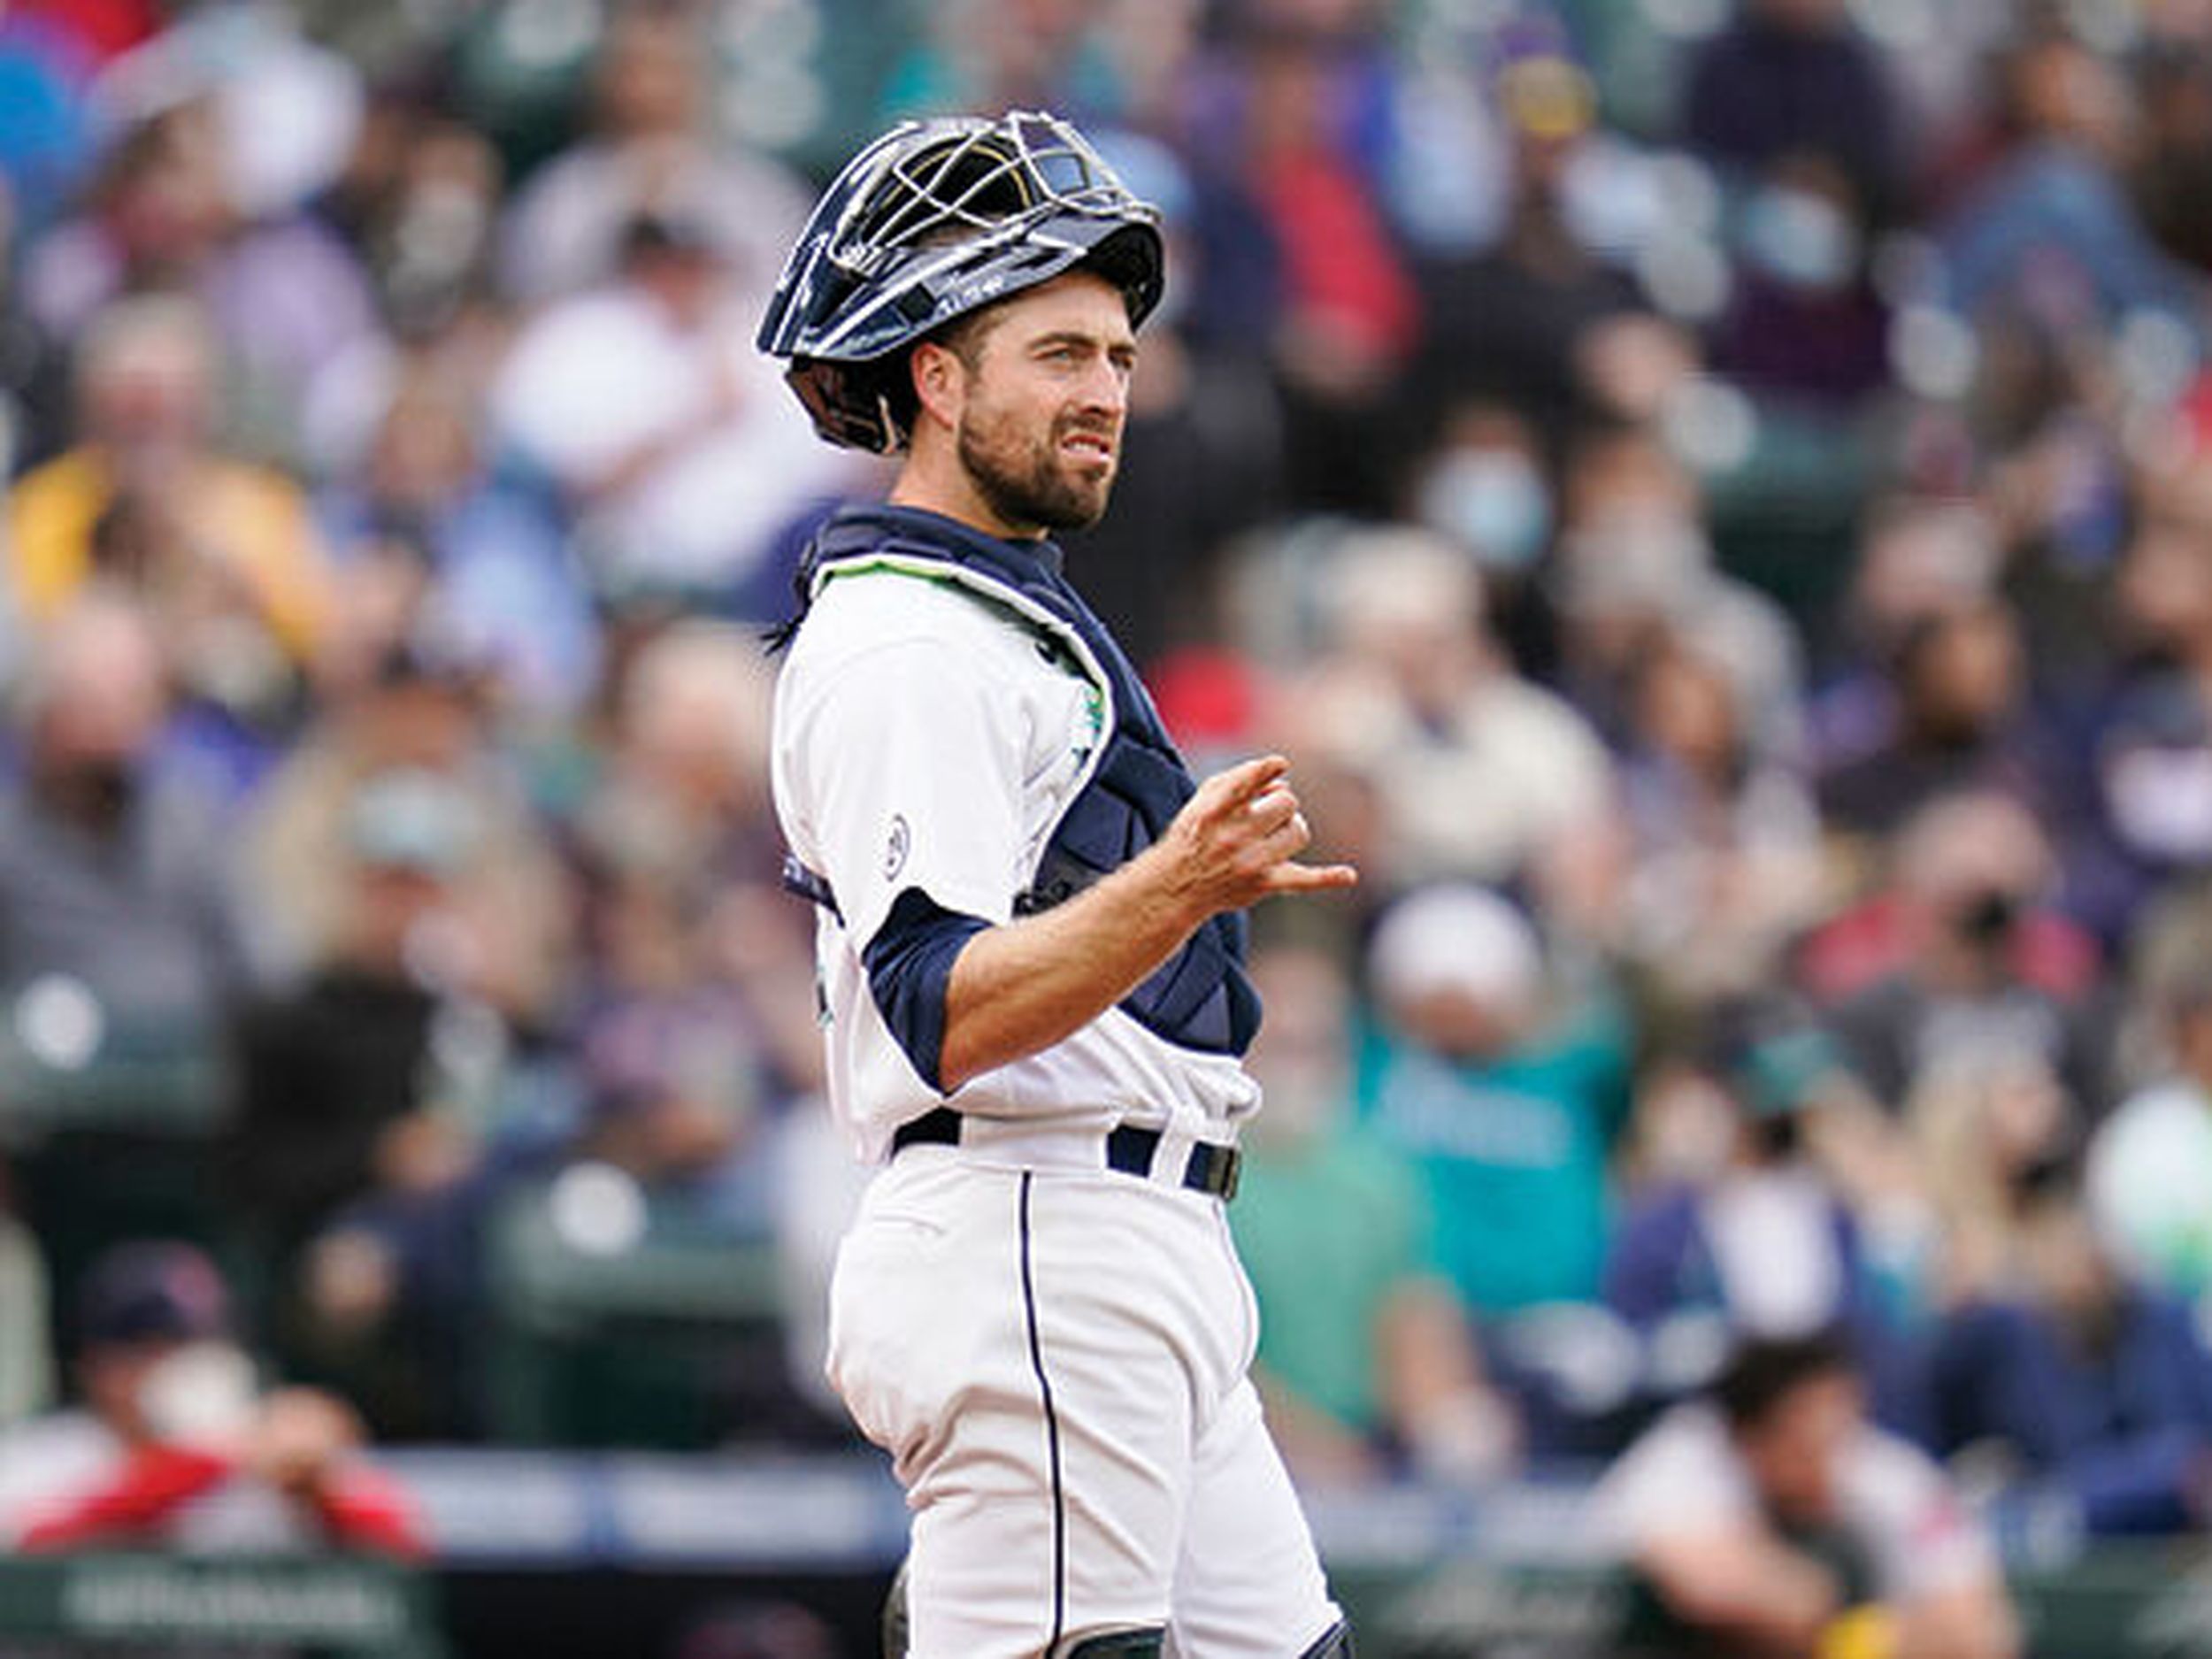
1200,998
1052,1432
909,970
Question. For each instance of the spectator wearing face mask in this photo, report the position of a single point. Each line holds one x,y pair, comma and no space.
1541,319
1965,958
1475,770
175,1445
1636,564
1482,484
1805,324
1799,115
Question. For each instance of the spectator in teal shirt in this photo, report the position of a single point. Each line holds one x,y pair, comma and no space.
1505,1091
1366,1362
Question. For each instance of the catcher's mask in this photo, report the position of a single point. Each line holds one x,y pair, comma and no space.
935,219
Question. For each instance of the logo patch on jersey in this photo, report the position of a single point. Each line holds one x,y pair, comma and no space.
895,851
1089,726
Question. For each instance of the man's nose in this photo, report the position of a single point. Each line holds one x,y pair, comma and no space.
1105,388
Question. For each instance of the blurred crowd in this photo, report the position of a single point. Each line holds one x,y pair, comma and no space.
1716,501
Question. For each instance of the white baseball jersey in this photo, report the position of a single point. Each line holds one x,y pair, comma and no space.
1053,1351
924,737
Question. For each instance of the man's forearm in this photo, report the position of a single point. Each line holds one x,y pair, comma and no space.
1018,989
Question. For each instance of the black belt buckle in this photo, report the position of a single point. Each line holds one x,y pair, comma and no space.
1210,1169
1215,1169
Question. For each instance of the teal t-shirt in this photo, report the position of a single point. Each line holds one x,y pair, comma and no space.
1513,1153
1327,1231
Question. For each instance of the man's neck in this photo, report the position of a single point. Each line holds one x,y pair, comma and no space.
928,483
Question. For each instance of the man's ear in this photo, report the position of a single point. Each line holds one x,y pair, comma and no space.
940,383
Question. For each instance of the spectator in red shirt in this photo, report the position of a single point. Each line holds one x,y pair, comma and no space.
175,1445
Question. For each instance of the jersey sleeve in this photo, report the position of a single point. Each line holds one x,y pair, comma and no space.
911,762
913,773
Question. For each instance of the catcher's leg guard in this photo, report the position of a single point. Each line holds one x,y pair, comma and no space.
1120,1644
894,1624
1115,1644
1336,1644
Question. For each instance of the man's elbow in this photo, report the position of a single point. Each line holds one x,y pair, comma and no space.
925,991
971,1044
956,1067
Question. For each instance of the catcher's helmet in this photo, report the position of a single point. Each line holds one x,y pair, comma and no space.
933,220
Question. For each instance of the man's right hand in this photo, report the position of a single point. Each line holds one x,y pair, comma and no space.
1236,841
1020,987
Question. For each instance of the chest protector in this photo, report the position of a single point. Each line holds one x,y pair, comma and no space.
1200,997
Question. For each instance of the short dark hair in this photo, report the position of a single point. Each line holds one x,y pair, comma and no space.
1765,1371
962,336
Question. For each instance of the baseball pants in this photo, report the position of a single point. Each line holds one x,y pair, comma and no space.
1055,1360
